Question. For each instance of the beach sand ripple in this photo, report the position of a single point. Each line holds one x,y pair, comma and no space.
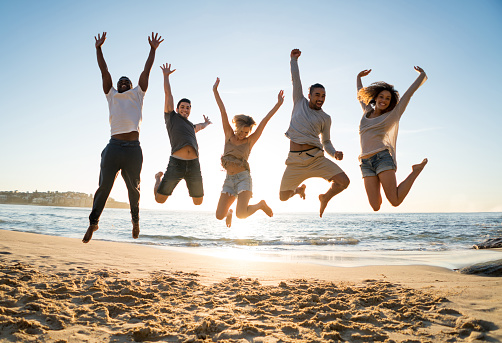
106,305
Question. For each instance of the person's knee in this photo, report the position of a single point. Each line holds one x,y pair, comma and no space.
285,195
220,216
375,207
241,214
345,181
197,201
160,198
341,180
395,202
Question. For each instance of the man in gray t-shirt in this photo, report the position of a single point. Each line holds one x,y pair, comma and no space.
184,160
306,156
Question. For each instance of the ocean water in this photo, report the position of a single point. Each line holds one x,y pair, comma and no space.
337,239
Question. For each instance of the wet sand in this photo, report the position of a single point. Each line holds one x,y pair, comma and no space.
55,289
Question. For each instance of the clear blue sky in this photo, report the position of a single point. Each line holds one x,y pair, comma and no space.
55,117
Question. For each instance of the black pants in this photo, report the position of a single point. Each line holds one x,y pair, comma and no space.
118,155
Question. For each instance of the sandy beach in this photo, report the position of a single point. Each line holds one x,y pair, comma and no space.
56,289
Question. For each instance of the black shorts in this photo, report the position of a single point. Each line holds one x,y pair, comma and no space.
182,169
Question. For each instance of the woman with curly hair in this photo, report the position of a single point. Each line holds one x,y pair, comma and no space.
238,145
378,134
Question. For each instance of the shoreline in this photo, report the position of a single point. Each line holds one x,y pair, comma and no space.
451,259
121,291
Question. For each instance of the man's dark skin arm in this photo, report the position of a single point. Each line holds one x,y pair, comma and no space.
105,74
154,42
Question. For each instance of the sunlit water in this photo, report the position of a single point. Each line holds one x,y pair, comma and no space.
441,239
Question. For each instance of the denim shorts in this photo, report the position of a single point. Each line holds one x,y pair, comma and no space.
237,183
182,169
377,163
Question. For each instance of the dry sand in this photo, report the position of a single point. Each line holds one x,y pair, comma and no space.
55,289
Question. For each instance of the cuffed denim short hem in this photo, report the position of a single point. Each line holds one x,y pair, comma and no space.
238,183
377,163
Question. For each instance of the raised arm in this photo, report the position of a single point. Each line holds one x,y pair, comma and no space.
203,125
359,76
405,99
253,138
154,42
295,75
227,128
105,74
169,102
360,85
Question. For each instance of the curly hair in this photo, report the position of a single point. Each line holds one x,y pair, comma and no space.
368,95
241,120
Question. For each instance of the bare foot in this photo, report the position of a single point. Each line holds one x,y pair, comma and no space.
88,234
135,230
228,220
265,208
158,176
419,167
301,191
324,203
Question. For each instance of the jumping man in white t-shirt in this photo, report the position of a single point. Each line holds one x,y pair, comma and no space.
123,152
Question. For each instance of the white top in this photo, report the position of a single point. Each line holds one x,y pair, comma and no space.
380,133
125,110
307,124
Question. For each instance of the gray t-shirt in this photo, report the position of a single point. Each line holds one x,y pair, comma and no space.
307,124
181,132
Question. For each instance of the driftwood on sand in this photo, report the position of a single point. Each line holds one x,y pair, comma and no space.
491,243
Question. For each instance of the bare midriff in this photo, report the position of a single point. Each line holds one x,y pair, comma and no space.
128,136
299,147
369,155
233,169
186,153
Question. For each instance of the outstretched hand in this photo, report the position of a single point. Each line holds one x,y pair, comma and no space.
206,120
364,73
418,69
338,155
295,53
166,69
216,84
155,41
280,97
100,40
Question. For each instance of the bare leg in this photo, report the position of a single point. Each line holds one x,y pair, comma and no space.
396,194
197,201
160,198
223,210
88,234
285,195
244,210
338,183
372,186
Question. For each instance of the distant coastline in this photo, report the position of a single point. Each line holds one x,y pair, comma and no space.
64,199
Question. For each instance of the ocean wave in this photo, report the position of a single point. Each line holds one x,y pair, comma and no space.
193,241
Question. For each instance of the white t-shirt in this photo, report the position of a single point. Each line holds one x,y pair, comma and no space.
125,110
